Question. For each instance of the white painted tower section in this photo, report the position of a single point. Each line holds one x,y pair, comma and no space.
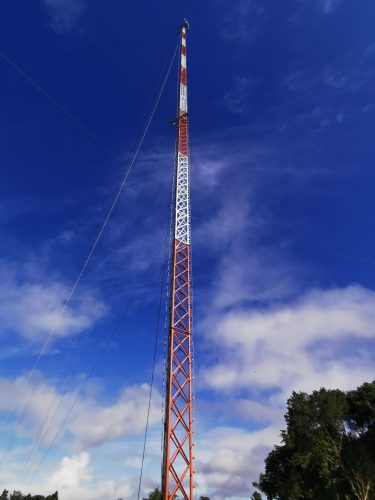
182,221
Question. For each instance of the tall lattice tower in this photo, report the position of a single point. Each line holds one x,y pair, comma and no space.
177,473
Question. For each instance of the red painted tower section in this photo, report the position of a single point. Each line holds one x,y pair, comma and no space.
177,480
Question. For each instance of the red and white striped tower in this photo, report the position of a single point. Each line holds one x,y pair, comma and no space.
177,477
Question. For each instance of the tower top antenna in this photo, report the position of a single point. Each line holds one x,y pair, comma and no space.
185,24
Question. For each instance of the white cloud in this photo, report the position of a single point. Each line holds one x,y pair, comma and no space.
252,277
207,169
219,228
74,478
296,346
65,14
94,424
32,306
72,472
321,339
91,423
230,459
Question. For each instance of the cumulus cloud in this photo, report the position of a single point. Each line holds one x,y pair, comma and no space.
297,346
65,14
230,458
94,424
31,306
72,472
74,478
323,338
91,422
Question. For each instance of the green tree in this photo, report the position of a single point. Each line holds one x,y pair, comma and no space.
328,448
17,495
155,495
359,457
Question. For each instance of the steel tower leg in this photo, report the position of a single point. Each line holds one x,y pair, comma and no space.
177,477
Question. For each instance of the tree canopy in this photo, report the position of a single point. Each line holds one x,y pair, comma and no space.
155,495
328,447
17,495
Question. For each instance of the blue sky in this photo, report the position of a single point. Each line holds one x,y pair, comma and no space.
282,112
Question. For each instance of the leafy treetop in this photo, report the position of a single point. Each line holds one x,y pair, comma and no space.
17,495
327,450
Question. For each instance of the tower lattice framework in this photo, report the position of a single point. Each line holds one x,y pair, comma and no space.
178,471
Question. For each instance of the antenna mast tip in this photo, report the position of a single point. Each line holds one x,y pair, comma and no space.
185,25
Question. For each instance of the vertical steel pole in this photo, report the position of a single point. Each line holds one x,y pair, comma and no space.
177,477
